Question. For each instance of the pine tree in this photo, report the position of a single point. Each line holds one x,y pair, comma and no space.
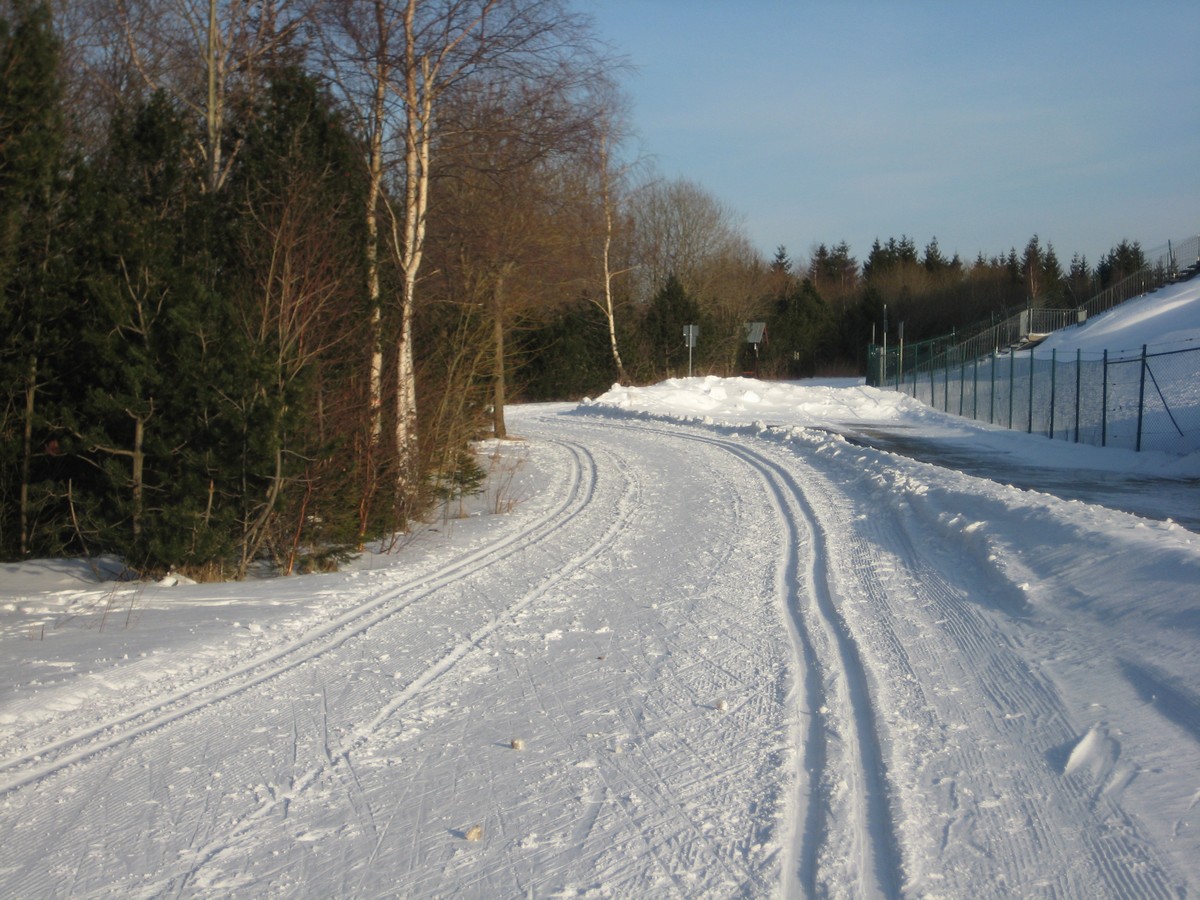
802,330
31,142
1080,284
154,455
669,310
297,188
1053,281
1120,262
140,301
933,261
781,264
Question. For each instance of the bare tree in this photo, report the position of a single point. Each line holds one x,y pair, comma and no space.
200,52
399,69
291,317
680,228
507,203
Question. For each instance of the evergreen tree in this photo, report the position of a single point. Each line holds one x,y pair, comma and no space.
885,257
1080,283
933,261
834,272
31,146
781,264
780,277
1053,281
1120,262
157,349
669,310
801,333
566,358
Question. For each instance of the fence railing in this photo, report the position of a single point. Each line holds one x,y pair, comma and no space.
1164,265
1146,401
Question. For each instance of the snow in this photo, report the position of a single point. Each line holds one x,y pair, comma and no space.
722,641
1167,319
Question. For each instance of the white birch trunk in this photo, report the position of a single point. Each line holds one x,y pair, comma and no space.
374,292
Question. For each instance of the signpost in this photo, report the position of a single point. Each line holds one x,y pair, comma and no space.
690,333
756,336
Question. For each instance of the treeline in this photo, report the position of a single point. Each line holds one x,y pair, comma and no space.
267,270
820,315
260,263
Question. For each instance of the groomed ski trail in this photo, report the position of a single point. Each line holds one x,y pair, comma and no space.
699,662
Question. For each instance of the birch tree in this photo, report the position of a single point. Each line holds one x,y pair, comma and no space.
610,181
201,53
680,229
399,61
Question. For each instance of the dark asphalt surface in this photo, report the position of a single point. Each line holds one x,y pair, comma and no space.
1151,497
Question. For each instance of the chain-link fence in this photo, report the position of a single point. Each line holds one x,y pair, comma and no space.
1144,401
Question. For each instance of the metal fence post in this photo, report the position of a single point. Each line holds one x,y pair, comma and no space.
1141,399
1053,383
992,394
1104,406
1029,430
962,383
1012,384
1079,370
975,392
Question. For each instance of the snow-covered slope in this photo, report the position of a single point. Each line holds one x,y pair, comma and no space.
1168,319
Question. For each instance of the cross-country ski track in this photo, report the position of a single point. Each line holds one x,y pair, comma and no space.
691,661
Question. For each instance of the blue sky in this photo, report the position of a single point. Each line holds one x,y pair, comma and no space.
978,123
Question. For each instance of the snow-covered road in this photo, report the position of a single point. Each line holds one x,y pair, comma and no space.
694,660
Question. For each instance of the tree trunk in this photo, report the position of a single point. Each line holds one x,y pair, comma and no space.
374,293
406,400
138,470
608,301
499,430
418,136
213,113
606,260
256,532
27,451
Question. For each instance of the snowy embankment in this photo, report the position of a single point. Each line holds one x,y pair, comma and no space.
714,648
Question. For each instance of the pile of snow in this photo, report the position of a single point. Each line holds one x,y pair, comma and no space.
1166,320
849,407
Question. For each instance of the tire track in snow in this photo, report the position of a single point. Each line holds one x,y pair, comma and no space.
873,863
38,762
1013,813
840,745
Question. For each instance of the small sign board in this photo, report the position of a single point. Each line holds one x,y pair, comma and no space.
690,333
